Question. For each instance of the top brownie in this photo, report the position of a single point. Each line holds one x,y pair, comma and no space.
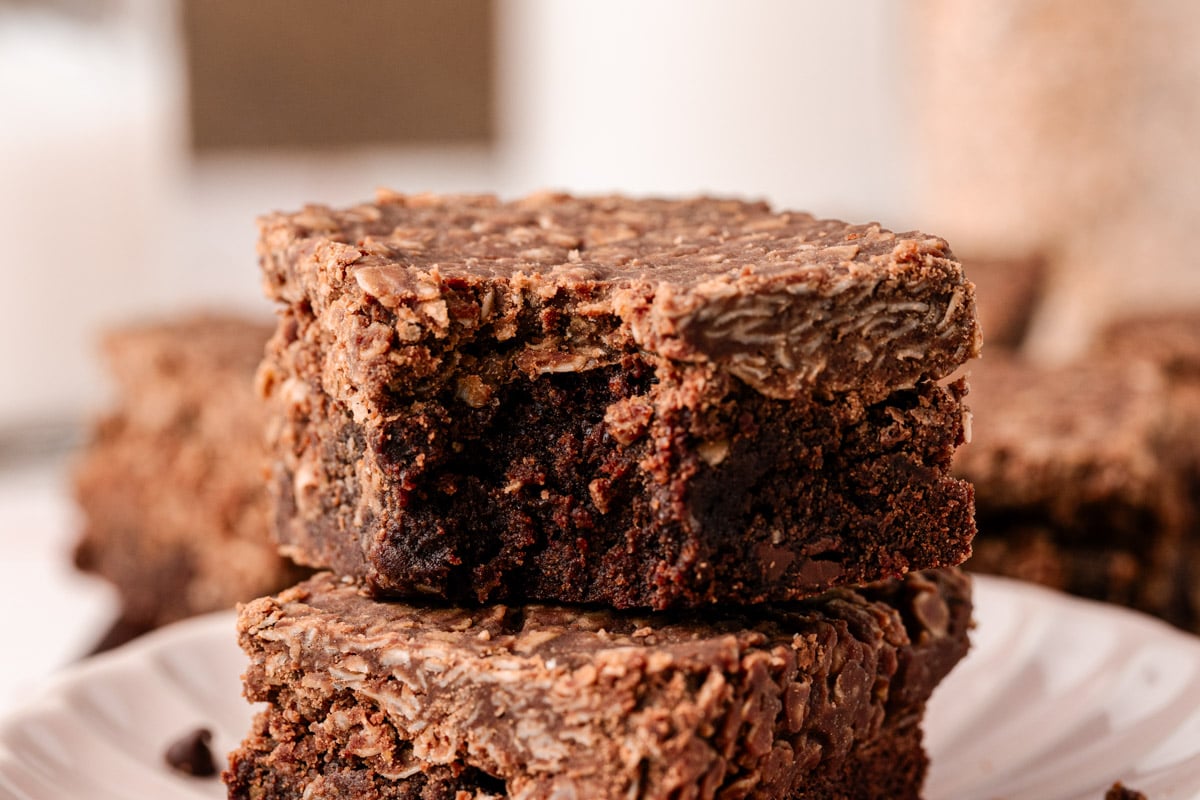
630,402
790,304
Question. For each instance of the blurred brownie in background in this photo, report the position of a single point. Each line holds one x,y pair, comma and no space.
1007,293
1171,341
171,483
1082,483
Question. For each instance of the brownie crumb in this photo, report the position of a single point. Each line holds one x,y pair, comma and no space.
1120,792
191,754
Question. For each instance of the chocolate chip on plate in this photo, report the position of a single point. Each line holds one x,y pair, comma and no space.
191,754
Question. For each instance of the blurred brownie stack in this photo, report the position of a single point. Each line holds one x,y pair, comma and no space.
621,498
175,510
1050,137
1087,475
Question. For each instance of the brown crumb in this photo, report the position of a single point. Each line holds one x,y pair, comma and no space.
1120,792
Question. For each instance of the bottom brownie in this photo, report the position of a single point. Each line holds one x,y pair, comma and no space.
390,700
298,762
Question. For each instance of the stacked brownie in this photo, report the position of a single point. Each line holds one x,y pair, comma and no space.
170,483
1087,476
673,412
820,699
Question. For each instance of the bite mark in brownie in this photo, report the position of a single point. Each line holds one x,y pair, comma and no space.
641,403
541,500
394,700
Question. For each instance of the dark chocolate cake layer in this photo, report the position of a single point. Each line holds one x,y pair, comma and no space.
542,500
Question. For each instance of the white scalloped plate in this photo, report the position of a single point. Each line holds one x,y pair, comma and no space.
1058,699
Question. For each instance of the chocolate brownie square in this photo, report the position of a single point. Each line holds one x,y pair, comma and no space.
642,403
171,483
1076,486
1170,340
373,700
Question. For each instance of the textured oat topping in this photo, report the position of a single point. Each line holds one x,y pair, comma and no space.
788,303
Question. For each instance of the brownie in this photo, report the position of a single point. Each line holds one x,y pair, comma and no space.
1076,485
817,699
641,403
1170,340
171,483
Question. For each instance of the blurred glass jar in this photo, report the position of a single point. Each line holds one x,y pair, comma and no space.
92,142
797,103
1068,130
